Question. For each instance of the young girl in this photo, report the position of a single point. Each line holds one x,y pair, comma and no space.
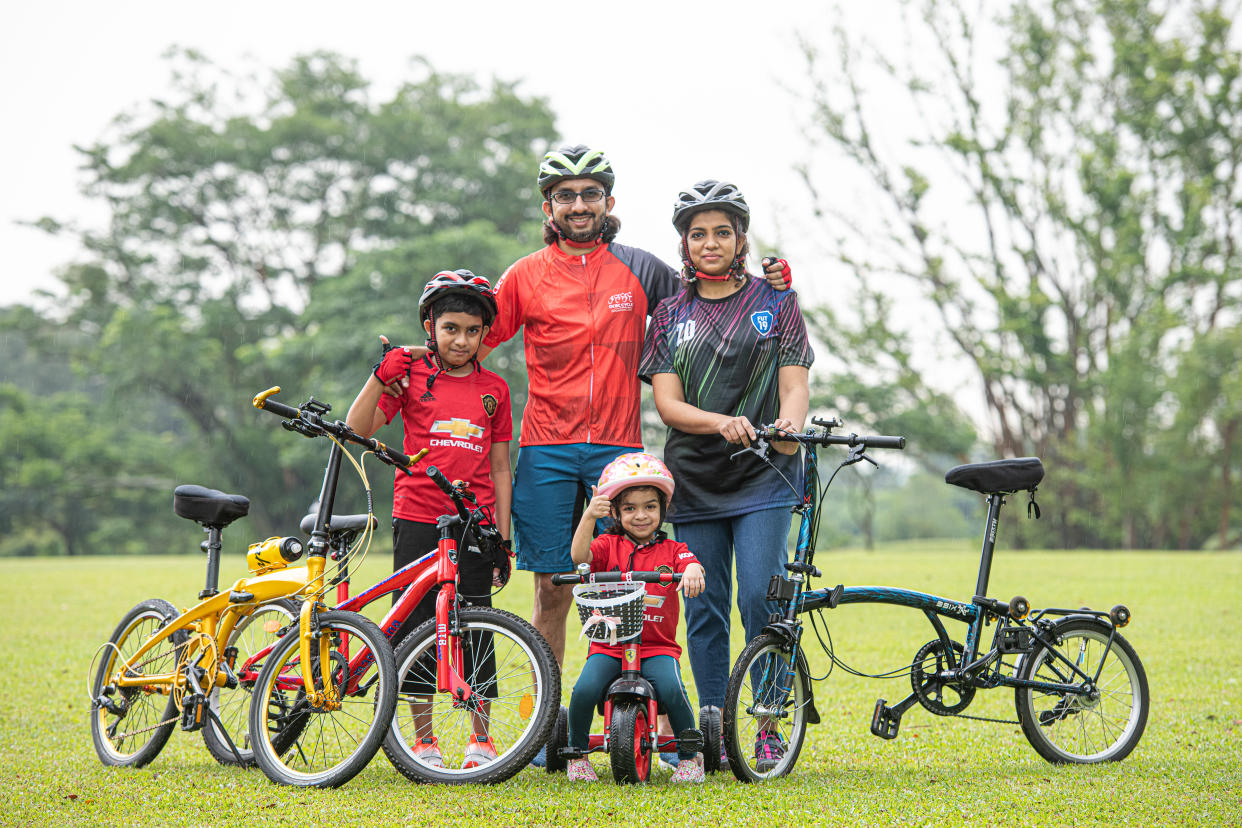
726,354
634,490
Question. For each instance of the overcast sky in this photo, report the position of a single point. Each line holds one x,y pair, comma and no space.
672,92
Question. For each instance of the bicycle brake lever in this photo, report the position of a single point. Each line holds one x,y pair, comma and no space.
859,452
759,449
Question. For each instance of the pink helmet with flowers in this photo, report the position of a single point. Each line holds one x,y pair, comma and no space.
634,469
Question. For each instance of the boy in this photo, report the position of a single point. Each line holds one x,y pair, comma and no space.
460,411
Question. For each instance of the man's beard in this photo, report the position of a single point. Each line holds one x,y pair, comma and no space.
589,233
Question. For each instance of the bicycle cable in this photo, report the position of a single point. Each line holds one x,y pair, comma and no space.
896,672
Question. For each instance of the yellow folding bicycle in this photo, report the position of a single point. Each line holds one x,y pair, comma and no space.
161,667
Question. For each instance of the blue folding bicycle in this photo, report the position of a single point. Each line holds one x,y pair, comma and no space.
1079,687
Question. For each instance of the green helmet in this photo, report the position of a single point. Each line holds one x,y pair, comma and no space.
577,161
710,195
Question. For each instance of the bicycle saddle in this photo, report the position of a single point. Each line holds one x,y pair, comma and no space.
340,523
997,476
209,506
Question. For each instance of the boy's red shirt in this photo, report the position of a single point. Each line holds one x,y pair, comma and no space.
458,419
615,553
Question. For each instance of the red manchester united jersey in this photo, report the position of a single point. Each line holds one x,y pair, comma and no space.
615,553
457,419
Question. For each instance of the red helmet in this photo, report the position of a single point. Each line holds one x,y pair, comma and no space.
457,281
635,469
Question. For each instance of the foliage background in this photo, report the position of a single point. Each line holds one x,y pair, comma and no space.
1038,199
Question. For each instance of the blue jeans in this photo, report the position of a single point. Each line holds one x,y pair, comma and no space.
600,670
760,543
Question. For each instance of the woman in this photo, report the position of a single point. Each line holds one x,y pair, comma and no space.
727,353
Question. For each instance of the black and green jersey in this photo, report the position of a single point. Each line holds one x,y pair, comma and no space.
727,353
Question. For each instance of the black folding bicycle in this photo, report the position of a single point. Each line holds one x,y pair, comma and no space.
1079,687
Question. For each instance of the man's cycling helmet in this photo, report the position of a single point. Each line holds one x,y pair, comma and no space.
634,469
457,281
577,161
710,195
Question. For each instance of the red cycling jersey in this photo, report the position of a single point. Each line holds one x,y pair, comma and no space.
584,318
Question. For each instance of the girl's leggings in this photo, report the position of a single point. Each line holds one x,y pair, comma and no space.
600,670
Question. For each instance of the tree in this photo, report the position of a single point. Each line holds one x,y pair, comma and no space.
1068,204
263,230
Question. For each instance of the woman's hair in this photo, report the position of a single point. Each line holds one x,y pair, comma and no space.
612,225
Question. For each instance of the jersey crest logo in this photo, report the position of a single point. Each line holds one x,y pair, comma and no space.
489,404
459,427
762,320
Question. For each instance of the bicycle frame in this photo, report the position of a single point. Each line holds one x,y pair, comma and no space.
216,615
436,569
975,614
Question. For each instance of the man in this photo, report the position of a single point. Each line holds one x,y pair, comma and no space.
583,301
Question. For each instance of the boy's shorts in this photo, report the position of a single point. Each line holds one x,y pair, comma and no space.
550,486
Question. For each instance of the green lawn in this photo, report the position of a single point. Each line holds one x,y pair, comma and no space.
1186,770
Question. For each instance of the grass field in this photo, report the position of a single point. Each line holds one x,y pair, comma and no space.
1186,770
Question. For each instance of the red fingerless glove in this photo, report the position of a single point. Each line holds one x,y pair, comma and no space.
785,271
395,365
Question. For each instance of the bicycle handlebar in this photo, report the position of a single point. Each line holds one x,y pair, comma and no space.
616,577
307,420
824,438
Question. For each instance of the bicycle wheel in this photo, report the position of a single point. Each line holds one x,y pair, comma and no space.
556,763
1101,727
130,726
516,686
629,743
297,742
765,713
254,633
710,727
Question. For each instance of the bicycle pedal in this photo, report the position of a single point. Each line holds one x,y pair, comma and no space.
193,712
885,721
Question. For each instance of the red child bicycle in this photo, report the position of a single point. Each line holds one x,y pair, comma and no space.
611,608
469,675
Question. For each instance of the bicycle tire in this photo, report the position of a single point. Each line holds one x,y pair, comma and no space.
712,728
526,686
629,746
149,715
556,763
252,634
1066,728
764,680
323,748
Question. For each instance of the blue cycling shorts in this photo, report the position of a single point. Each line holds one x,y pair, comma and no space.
550,487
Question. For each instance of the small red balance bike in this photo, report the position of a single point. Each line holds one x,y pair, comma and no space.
610,605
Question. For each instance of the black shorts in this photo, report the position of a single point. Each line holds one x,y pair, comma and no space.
410,541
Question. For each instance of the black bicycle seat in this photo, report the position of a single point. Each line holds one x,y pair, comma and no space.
997,476
340,523
209,506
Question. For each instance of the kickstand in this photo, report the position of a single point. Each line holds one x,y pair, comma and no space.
211,714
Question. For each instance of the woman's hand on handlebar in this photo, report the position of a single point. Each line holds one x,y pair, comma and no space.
737,430
783,446
692,580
